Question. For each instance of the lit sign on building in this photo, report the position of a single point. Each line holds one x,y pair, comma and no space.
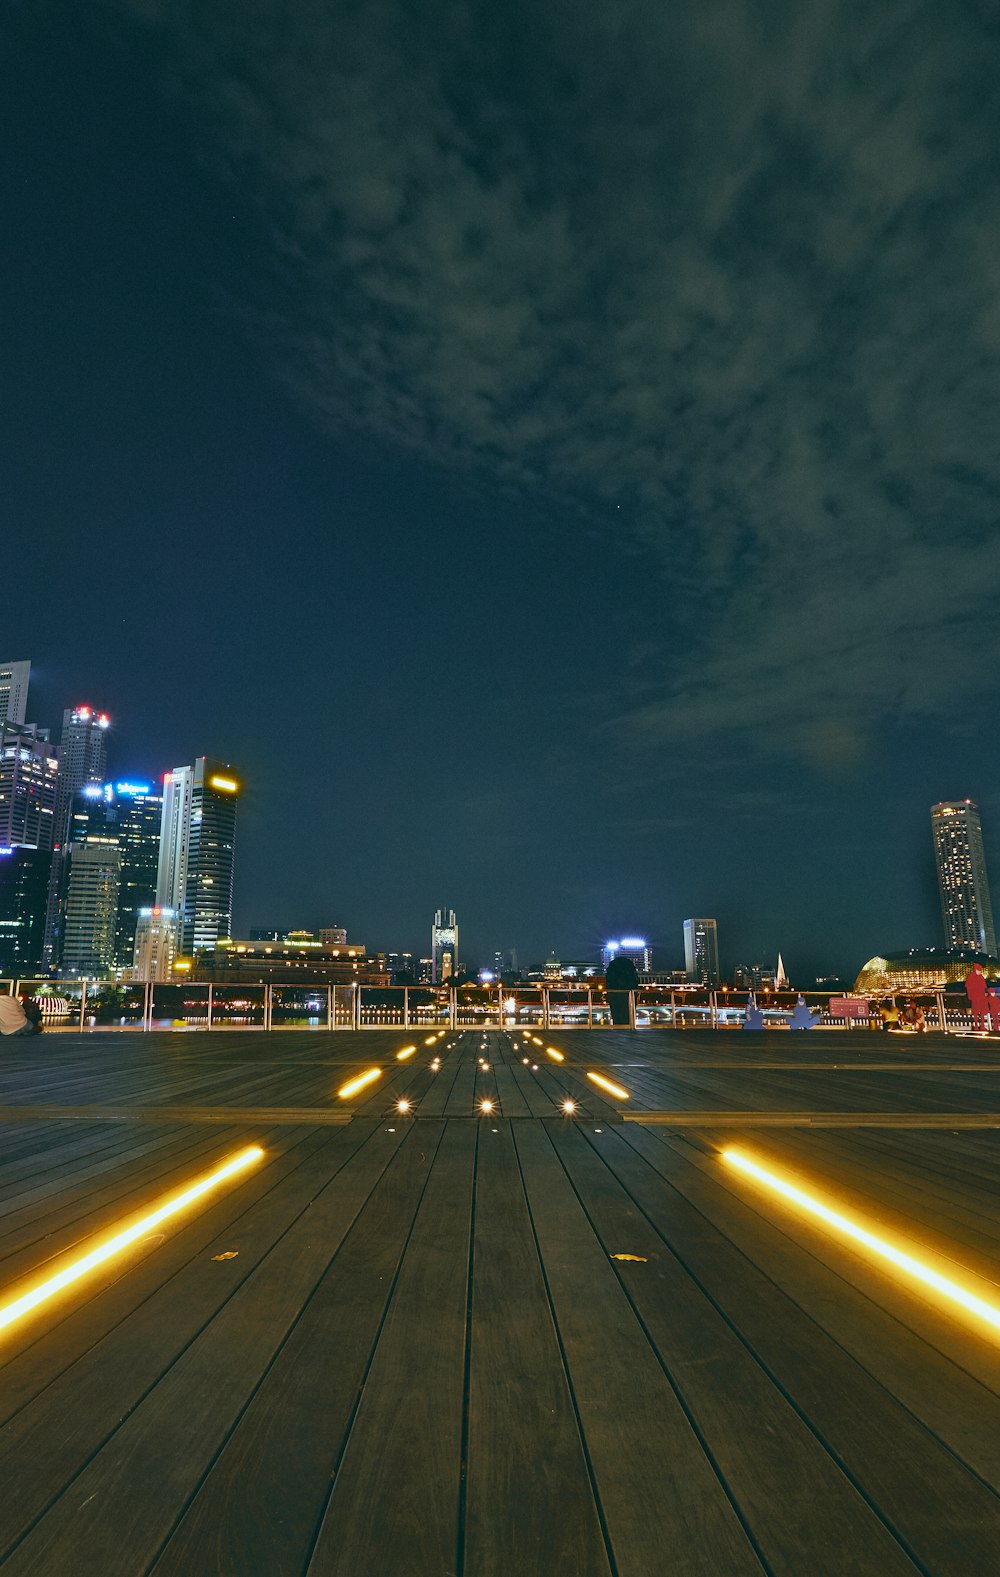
225,784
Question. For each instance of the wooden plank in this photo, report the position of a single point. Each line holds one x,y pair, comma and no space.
261,1503
530,1503
75,1426
56,1341
796,1318
657,1489
820,1523
395,1501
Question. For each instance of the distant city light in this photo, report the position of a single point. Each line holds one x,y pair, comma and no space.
133,788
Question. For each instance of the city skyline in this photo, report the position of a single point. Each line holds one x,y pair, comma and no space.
591,489
87,731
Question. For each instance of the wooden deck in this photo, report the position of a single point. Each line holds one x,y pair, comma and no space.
510,1344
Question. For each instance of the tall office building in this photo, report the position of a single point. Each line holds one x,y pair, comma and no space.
138,813
197,839
24,886
444,946
14,691
28,776
701,951
82,760
89,908
966,909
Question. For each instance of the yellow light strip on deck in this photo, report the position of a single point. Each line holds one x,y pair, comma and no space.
354,1085
407,1051
79,1267
606,1084
850,1229
557,1056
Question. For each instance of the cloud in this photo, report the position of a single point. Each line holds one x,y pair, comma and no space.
734,269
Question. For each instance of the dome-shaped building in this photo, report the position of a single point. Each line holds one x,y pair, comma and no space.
925,970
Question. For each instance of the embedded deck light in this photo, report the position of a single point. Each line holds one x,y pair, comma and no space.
354,1085
104,1251
907,1263
606,1084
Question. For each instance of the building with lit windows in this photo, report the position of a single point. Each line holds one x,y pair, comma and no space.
634,947
918,971
701,952
24,886
89,908
298,959
966,908
197,846
155,945
82,759
14,691
444,946
28,775
138,813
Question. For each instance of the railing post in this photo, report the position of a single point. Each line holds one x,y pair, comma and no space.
147,1007
83,1005
356,1006
210,1005
713,1002
545,1008
631,1009
942,1014
406,1007
268,988
452,1008
329,1007
590,1008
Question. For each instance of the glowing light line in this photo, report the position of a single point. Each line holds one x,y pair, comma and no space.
606,1084
407,1051
557,1056
114,1245
850,1229
354,1085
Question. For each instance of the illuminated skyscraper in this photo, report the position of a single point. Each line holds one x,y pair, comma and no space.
197,839
24,886
89,907
634,947
28,775
13,691
82,759
155,944
966,909
701,951
444,945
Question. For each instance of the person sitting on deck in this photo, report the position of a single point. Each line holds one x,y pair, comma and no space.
13,1019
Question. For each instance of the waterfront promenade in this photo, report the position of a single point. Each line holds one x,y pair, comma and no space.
489,1335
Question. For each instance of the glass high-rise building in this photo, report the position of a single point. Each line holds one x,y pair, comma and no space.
701,951
138,813
82,760
24,886
28,775
966,909
197,843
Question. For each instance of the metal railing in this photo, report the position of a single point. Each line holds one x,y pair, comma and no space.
203,1005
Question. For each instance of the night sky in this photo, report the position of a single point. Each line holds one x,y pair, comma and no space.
551,449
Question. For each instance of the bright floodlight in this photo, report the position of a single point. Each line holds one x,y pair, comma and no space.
486,1106
402,1106
569,1107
